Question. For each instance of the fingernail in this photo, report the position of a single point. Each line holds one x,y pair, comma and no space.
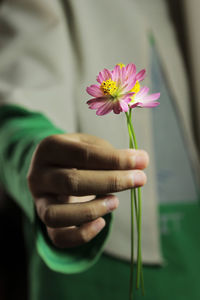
142,159
111,203
139,178
139,159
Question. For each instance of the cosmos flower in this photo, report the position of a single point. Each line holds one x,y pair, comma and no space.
119,89
113,91
141,97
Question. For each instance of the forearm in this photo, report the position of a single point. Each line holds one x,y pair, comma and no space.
20,133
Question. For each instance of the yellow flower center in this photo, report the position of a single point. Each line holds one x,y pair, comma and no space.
135,90
121,65
109,87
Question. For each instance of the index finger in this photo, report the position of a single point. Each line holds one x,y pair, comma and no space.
69,153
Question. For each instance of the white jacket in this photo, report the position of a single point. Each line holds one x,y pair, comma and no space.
51,50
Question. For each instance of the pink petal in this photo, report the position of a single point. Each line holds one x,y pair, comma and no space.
116,73
105,109
149,104
120,79
141,75
130,70
143,92
151,97
99,99
96,105
104,75
129,84
124,106
95,90
99,78
116,107
123,70
126,98
134,105
145,100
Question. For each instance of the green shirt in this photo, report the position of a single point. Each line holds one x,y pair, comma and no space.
51,271
20,133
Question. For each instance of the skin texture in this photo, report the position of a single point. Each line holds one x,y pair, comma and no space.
72,178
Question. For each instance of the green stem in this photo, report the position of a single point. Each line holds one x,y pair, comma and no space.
136,206
139,222
132,130
139,256
136,147
132,248
133,200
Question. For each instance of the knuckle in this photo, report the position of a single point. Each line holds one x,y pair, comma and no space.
115,160
116,183
85,155
129,180
71,181
45,146
90,212
46,142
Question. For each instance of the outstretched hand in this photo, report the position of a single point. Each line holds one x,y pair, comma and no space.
71,177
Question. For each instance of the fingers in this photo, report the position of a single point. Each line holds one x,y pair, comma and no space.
88,139
87,182
65,152
72,199
75,236
72,166
74,224
63,215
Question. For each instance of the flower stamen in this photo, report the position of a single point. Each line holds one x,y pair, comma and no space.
135,90
109,87
121,65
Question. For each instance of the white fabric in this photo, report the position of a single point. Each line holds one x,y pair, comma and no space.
192,21
50,52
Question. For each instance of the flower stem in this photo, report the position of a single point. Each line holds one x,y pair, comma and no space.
139,221
133,201
132,247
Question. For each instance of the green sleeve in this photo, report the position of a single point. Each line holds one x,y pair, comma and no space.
20,132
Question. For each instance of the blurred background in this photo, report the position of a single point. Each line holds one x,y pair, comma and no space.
13,267
186,20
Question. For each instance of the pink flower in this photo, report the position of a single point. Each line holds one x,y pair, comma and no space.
113,91
142,99
119,90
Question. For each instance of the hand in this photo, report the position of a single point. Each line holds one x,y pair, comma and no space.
71,177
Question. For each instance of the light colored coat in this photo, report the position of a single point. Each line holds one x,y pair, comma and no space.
51,50
192,18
